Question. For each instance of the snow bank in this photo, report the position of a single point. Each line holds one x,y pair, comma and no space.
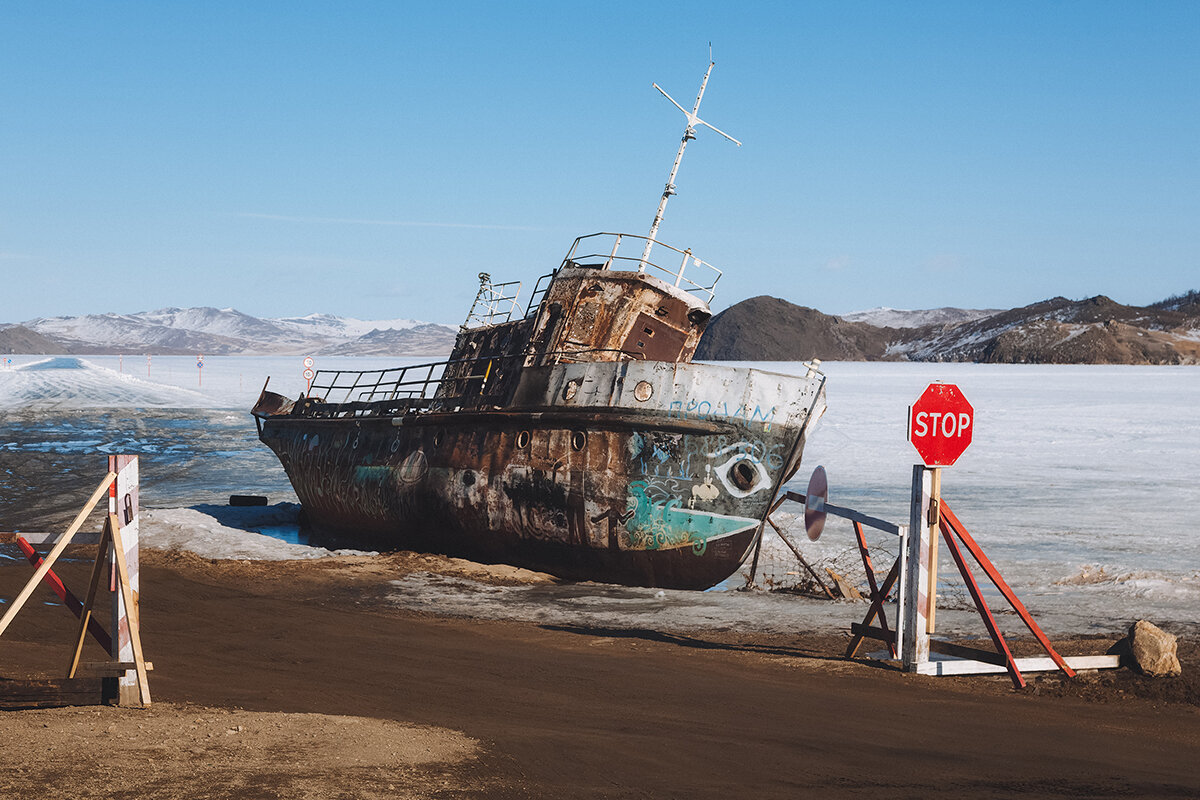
226,532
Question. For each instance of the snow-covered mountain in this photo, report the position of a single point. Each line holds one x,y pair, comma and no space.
225,331
333,327
884,317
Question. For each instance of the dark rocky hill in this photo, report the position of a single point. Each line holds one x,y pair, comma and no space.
1096,330
769,329
19,339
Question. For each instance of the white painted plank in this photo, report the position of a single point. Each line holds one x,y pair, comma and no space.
948,665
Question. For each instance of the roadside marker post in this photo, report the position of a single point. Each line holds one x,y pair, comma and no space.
308,374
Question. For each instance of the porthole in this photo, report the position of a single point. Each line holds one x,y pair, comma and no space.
570,390
743,475
522,440
643,391
438,437
578,440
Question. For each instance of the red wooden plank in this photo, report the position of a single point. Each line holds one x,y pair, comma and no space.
982,606
66,595
877,608
960,530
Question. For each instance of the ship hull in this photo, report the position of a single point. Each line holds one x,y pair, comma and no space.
584,477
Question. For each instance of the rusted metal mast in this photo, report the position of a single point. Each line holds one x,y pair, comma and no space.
689,133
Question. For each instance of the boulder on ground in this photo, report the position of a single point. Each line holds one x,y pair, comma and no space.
1153,650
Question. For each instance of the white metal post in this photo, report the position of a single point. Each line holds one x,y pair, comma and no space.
123,501
901,591
914,649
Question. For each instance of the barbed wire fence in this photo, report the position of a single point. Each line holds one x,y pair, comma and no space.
837,563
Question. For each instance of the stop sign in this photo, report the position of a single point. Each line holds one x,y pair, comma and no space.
940,424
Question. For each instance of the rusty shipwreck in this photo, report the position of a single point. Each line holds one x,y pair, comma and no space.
571,435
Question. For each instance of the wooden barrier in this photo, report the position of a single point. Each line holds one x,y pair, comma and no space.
931,515
117,553
915,572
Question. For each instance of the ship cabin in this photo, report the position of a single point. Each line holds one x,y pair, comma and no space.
599,305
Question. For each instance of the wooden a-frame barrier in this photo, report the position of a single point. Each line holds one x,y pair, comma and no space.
915,572
117,550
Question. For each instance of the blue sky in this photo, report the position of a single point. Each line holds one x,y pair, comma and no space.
369,159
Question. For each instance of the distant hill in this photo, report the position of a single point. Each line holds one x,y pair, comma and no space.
421,340
900,318
19,339
1057,331
1187,303
769,329
226,331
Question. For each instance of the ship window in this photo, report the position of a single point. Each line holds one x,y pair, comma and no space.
648,331
578,440
743,475
437,438
522,440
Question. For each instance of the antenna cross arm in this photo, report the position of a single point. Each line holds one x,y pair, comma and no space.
693,119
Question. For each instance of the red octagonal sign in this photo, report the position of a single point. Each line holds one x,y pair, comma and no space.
940,424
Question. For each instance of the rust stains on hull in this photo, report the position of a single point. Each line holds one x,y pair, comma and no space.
623,504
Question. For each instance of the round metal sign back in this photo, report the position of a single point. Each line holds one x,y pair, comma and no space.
814,503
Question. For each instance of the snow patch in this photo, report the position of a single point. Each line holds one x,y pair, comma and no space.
221,532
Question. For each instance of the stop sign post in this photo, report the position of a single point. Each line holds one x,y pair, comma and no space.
940,425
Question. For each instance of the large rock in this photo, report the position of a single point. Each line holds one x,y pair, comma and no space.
1153,650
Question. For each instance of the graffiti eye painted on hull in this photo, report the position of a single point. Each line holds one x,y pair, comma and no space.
743,473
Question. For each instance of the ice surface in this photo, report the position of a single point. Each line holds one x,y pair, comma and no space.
68,382
1071,468
1082,482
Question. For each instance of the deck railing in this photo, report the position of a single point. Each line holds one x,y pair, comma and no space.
495,303
692,275
419,387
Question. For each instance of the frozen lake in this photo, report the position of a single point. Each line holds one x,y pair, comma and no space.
1082,482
